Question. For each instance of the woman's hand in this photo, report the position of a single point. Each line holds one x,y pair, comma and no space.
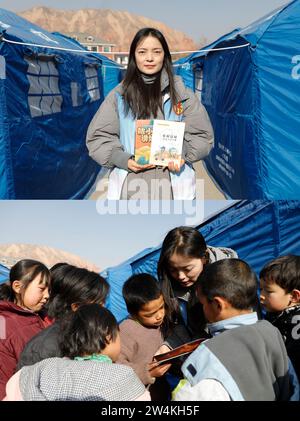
174,167
135,167
156,370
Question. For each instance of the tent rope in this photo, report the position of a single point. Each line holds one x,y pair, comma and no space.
212,49
118,52
58,48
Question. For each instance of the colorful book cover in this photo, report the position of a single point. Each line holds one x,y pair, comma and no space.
143,137
167,141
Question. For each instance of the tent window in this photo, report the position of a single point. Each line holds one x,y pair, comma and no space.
76,94
198,81
2,67
92,82
44,96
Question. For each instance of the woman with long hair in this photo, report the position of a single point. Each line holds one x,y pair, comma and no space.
148,91
184,255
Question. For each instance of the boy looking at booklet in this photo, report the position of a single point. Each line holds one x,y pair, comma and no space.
246,358
142,333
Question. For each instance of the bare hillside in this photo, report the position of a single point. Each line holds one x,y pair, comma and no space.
114,26
13,252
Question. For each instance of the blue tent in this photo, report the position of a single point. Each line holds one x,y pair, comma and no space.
258,230
48,97
111,72
251,91
4,274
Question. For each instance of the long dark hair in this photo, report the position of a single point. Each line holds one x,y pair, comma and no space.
26,271
143,100
185,241
77,286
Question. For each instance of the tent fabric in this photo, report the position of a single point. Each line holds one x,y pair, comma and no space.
252,97
111,72
185,66
47,100
258,230
4,274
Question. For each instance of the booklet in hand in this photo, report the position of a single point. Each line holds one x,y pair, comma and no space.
166,142
170,356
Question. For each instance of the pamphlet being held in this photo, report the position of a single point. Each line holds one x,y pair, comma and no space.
143,136
167,141
170,356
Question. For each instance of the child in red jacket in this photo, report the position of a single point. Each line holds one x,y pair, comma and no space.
21,300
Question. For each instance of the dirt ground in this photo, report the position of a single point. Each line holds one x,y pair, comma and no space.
211,192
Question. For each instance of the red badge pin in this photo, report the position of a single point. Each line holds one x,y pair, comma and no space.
178,108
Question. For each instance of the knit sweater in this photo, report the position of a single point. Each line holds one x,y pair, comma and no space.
61,379
138,345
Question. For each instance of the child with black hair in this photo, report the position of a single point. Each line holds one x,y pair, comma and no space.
90,344
70,288
280,296
246,358
144,330
21,305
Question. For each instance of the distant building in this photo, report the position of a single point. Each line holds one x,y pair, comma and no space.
92,43
121,59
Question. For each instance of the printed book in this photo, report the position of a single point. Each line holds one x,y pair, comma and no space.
167,141
170,356
143,136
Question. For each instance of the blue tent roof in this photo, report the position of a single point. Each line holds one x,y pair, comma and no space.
48,97
17,28
252,95
112,72
258,230
184,67
256,29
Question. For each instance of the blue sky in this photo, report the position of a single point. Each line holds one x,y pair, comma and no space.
77,227
209,18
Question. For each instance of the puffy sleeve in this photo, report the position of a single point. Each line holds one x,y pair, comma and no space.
205,390
103,136
13,392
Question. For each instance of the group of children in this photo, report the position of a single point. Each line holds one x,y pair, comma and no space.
56,323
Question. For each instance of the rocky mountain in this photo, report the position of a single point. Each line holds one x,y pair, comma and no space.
11,253
113,26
